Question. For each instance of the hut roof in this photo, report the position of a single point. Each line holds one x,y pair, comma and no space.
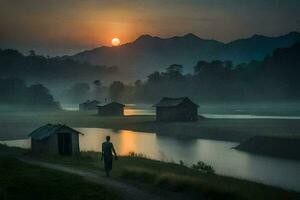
49,129
173,102
90,102
111,104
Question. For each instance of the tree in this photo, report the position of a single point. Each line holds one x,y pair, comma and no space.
116,90
174,72
16,92
37,94
97,89
138,83
200,64
78,92
175,68
154,77
97,83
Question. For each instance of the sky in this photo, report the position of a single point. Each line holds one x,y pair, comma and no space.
58,27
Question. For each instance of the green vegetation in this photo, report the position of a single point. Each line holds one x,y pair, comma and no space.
204,168
174,178
23,181
39,68
148,174
221,81
15,92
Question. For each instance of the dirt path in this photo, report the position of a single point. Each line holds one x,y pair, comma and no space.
127,192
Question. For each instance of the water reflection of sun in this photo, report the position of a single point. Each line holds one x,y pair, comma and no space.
127,142
124,141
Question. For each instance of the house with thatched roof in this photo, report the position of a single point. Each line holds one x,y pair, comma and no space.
111,109
55,139
176,109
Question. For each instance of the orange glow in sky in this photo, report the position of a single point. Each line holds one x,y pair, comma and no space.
68,27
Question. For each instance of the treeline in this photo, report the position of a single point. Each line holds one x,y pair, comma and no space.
276,78
15,92
82,91
40,68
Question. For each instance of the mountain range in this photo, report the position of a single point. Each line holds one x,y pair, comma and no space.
146,54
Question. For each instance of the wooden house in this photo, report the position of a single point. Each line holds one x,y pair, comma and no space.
55,139
89,105
176,109
111,109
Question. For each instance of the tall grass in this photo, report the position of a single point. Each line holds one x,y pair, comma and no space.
204,168
178,183
137,155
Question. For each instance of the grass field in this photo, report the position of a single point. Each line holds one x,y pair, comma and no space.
154,176
23,181
175,178
17,125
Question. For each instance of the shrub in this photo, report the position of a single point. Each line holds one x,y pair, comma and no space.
181,163
138,155
202,167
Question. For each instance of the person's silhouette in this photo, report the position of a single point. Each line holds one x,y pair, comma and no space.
107,155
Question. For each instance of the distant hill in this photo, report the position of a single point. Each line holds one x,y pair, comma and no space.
35,68
148,53
256,47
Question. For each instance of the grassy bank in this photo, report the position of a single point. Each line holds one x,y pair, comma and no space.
175,178
23,181
169,179
17,125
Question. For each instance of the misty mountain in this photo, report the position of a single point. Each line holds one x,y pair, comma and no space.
257,47
274,79
147,53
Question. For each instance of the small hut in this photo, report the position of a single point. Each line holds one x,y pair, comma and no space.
89,105
55,139
111,109
176,109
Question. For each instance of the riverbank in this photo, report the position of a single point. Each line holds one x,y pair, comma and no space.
287,148
17,125
166,179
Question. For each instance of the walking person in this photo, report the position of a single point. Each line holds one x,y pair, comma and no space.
108,151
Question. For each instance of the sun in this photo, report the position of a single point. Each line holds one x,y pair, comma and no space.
115,41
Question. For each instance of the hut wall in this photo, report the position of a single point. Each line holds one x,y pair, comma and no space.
47,145
53,144
178,113
75,143
39,146
88,106
82,107
110,111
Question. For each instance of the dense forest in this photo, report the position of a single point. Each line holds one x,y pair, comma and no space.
15,93
276,78
40,68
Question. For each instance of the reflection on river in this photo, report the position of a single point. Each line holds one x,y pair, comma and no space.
219,154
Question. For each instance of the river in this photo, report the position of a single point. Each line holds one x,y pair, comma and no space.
220,154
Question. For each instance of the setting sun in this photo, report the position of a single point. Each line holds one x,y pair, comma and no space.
115,41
